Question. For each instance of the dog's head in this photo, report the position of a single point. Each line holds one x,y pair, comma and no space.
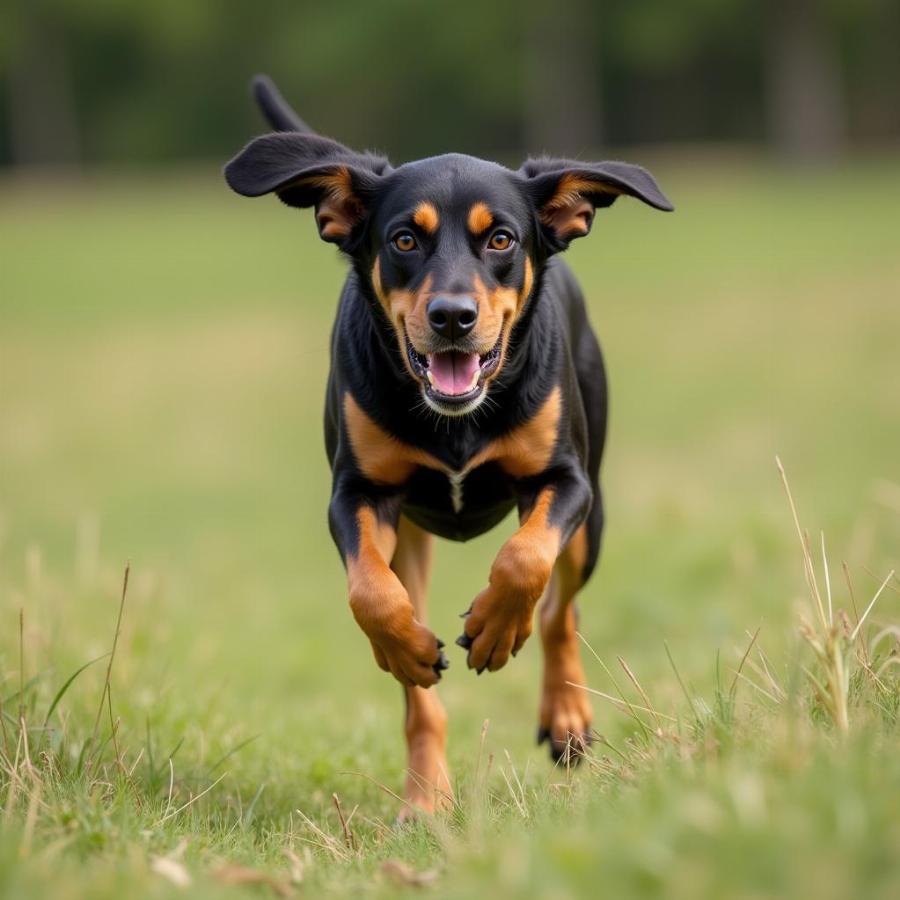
450,246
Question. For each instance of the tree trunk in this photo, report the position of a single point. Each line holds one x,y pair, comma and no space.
43,122
804,82
563,114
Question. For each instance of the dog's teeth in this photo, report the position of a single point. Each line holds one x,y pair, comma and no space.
428,376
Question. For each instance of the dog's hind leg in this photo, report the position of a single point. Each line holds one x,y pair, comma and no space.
565,712
427,780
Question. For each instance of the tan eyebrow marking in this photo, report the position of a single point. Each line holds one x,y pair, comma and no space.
480,218
426,217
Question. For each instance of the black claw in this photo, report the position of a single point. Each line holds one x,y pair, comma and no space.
440,644
468,612
464,641
570,752
442,663
542,734
482,669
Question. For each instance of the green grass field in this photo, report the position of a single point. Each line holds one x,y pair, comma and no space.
163,355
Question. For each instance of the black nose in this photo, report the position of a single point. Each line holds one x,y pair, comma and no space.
452,317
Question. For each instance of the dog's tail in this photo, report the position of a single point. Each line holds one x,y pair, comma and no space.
275,108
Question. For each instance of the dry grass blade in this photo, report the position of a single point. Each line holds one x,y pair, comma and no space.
191,802
867,662
633,678
517,793
484,731
865,615
348,834
621,705
740,675
3,730
809,569
645,728
112,657
827,579
890,661
764,672
21,665
697,717
383,787
325,840
743,661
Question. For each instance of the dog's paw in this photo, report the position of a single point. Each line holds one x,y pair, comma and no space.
410,652
565,722
497,625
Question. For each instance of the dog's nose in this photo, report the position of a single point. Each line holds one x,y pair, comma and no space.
452,317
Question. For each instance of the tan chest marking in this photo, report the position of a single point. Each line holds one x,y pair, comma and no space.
524,452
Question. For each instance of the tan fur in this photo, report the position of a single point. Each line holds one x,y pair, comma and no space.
480,218
340,210
427,780
567,212
382,609
501,617
565,710
426,217
382,458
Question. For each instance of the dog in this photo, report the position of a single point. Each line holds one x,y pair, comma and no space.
465,381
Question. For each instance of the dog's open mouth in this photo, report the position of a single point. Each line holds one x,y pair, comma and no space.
452,377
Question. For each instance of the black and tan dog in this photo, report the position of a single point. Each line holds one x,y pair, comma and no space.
465,381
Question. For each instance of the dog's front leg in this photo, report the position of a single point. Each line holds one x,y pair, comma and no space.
364,527
500,619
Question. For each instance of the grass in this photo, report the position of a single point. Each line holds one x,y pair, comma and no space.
163,355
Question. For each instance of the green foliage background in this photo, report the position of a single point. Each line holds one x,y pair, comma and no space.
135,82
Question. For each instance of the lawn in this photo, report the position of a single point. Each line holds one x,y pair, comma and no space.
163,355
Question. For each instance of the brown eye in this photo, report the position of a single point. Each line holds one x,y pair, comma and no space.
500,240
404,242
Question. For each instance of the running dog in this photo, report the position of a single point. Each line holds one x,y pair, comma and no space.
465,381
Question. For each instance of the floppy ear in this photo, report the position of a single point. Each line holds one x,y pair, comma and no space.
566,193
309,170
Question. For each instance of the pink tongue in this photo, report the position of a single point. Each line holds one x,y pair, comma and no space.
452,373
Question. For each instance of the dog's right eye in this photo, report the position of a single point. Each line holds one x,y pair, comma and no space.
404,242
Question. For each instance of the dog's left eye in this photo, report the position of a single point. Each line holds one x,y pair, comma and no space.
404,242
501,240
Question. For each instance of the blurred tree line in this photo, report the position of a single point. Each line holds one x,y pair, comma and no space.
116,81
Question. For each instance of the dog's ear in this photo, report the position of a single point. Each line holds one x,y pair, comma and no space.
566,194
308,170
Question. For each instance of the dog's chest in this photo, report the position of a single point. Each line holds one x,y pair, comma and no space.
459,504
520,453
